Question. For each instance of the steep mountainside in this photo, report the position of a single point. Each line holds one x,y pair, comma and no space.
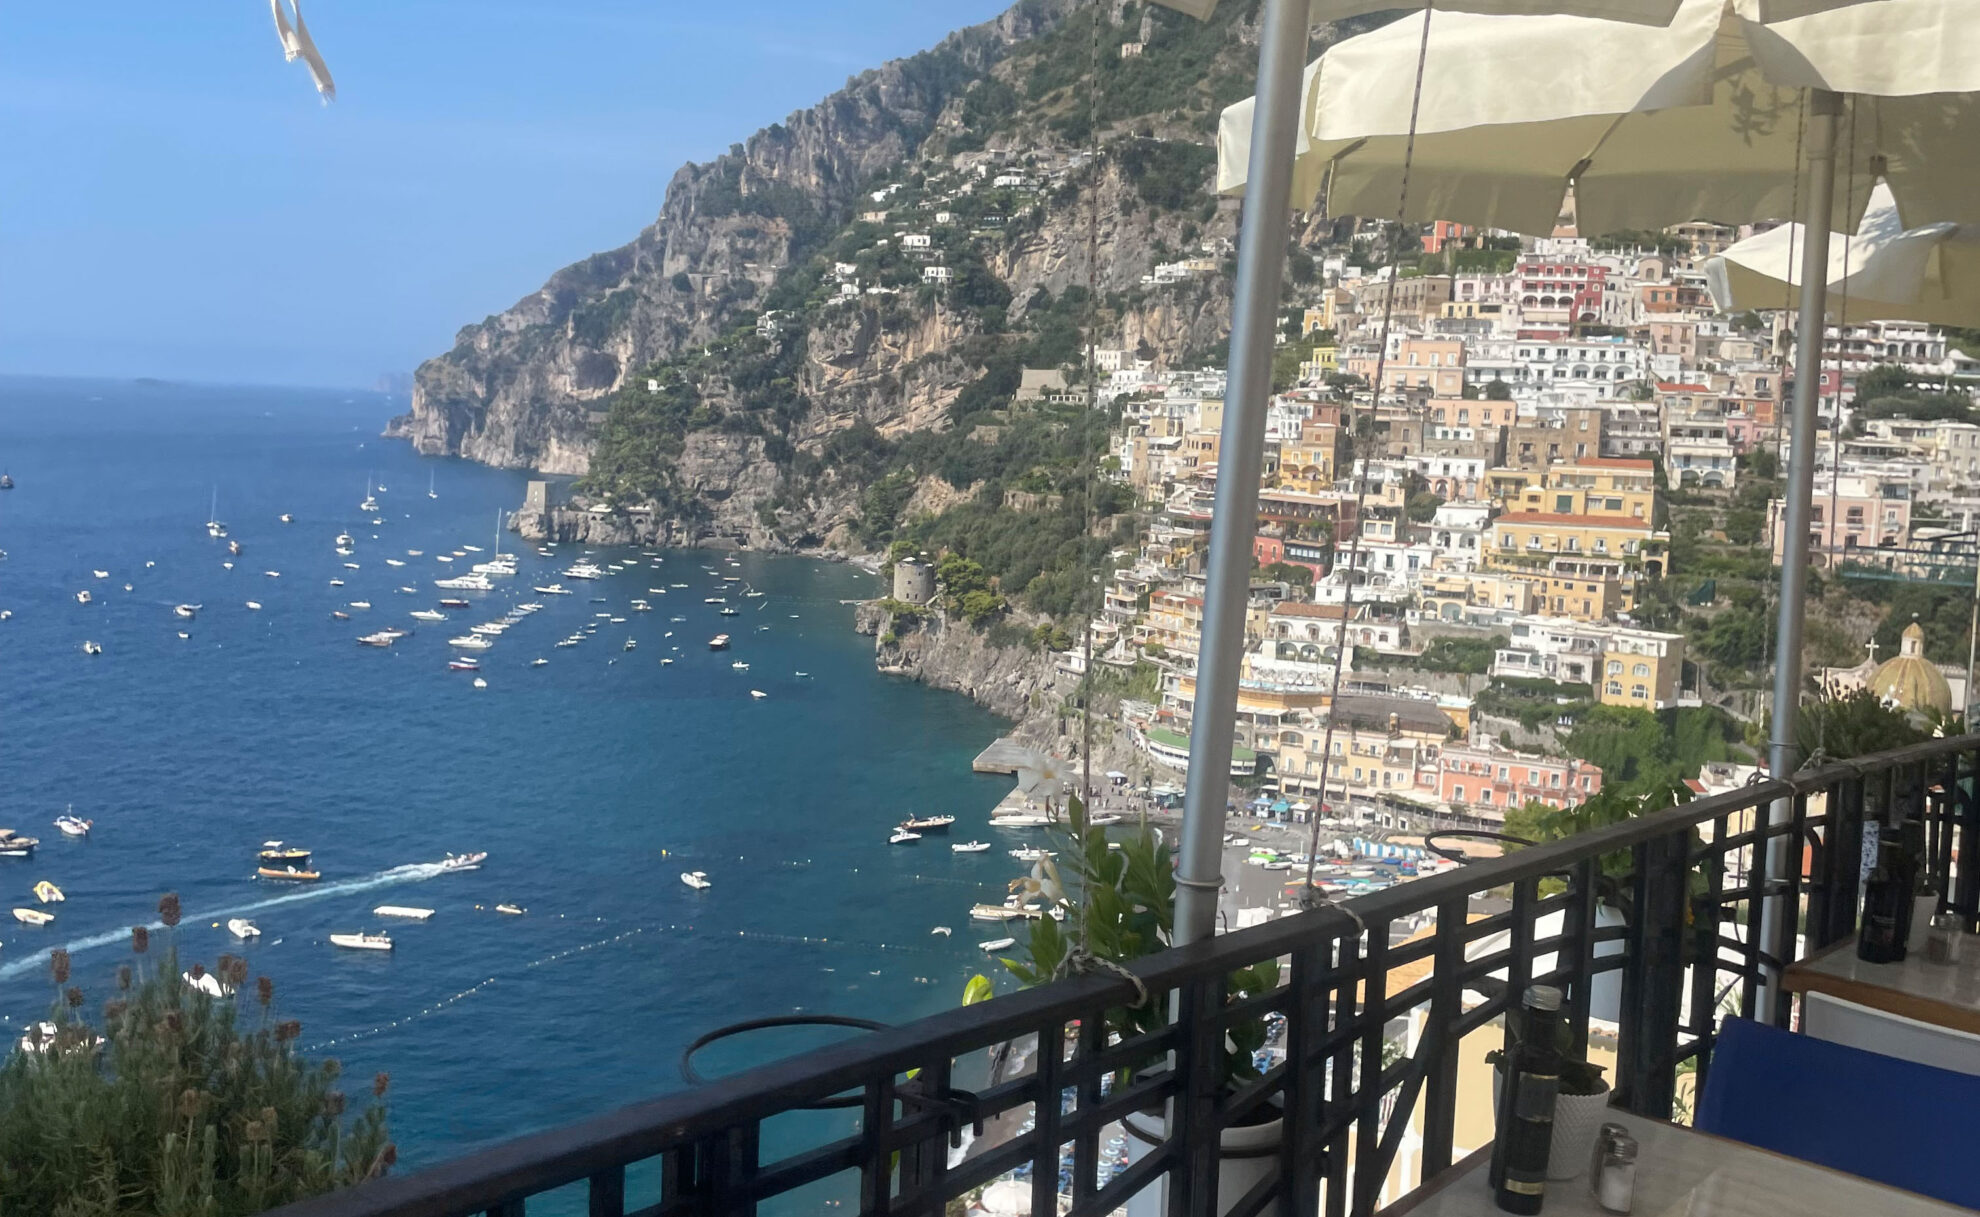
820,339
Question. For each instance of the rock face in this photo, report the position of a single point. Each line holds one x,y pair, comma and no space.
520,389
1011,681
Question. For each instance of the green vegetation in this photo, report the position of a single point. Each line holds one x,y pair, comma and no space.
966,589
1288,572
176,1104
1641,751
1886,391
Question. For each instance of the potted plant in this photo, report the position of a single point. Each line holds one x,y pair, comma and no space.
1580,1105
1109,906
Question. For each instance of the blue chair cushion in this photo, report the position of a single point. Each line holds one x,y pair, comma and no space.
1892,1121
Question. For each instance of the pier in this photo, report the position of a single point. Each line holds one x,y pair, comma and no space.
1006,755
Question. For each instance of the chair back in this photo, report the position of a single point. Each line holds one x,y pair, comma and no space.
1845,1022
1880,1117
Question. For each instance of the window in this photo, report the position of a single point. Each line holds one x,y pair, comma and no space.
1457,795
1641,669
1615,667
1485,794
1613,688
1639,692
1601,545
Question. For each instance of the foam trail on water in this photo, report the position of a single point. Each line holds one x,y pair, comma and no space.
412,872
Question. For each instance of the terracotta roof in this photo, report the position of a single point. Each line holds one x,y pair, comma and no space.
1299,608
1610,462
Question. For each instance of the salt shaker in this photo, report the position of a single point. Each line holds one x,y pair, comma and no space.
1943,942
1612,1175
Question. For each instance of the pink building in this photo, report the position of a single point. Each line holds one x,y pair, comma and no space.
1484,780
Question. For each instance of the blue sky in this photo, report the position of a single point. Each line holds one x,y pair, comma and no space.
174,201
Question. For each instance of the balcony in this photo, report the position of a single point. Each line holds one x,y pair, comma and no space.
1651,919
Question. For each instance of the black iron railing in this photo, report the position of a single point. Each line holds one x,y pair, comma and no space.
1688,883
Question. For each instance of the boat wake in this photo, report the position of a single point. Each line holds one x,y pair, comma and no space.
413,872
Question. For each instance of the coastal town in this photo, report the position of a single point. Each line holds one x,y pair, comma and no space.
1538,516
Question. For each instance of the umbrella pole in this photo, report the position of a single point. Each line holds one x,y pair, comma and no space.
1824,108
1240,459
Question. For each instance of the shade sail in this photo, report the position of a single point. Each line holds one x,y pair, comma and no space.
1699,119
1885,272
1654,12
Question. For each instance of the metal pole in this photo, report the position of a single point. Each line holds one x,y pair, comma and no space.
1824,108
1240,458
1972,640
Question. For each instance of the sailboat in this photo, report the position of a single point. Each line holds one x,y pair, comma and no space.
214,528
430,492
370,501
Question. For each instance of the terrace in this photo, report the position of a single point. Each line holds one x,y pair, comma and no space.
1650,923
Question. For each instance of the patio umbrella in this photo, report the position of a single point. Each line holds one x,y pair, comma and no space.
1885,272
1653,12
1652,125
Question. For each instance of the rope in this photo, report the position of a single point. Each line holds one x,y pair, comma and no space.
1078,961
1307,896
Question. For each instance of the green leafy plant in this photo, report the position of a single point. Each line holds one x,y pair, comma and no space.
176,1103
1119,906
1578,1077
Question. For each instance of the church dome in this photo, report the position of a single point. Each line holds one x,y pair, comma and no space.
1910,680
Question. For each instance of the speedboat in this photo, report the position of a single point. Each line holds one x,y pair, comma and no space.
538,662
470,642
739,666
554,589
286,518
400,910
340,614
480,683
241,927
360,604
698,880
513,910
83,596
453,602
362,942
14,845
758,694
903,837
468,664
48,893
427,615
187,611
72,825
381,638
970,847
92,648
998,944
33,916
291,864
395,562
471,861
928,823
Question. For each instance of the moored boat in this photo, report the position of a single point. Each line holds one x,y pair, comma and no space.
970,847
513,910
241,927
902,836
73,825
48,893
719,643
33,916
998,944
698,880
928,823
362,942
277,862
14,845
403,911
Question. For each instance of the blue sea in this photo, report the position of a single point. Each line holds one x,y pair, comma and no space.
593,781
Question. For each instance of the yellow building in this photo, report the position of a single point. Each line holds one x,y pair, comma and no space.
1308,463
1448,595
1641,668
1534,537
1600,486
1322,363
1582,597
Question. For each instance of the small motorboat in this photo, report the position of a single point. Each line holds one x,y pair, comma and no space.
275,862
427,615
698,880
33,916
362,942
725,611
73,825
83,596
631,643
272,574
92,648
903,837
254,605
234,548
469,861
14,845
928,823
480,683
998,944
1030,854
454,602
340,614
464,664
226,566
207,983
336,583
512,910
970,847
48,893
286,518
943,930
739,666
360,604
539,662
401,910
241,927
183,634
187,611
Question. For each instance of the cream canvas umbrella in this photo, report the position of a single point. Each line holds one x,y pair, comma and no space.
1653,125
1653,12
1885,272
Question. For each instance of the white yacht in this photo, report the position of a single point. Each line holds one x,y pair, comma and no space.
698,880
903,837
428,615
584,570
468,583
554,589
73,825
471,642
363,942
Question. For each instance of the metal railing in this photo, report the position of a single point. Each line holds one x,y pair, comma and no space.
1687,882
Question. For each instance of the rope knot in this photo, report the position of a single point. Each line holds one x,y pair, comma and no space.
1078,961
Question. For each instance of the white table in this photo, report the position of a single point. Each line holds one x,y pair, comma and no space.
1681,1173
1946,995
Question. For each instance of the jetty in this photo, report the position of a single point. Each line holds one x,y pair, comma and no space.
1006,755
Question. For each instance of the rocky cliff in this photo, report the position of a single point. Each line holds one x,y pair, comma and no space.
519,389
1012,681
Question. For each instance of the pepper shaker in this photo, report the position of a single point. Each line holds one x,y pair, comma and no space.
1612,1175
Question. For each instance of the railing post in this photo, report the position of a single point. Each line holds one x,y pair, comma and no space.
1046,1113
1193,1181
1440,1072
1653,980
1966,797
1306,1073
1832,917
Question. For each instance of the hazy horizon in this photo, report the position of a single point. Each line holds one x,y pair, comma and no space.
183,208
